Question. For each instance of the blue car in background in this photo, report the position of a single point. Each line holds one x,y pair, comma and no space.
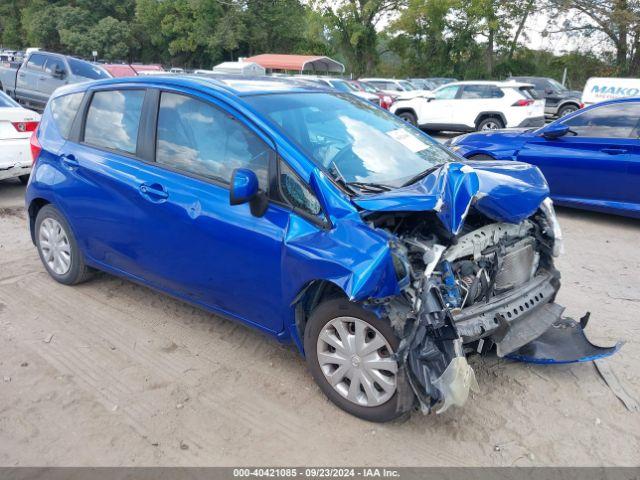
313,216
590,158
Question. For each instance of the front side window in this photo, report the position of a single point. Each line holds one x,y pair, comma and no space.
446,93
351,140
54,65
196,137
113,120
618,120
63,111
296,193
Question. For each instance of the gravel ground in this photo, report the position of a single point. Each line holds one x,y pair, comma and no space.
112,373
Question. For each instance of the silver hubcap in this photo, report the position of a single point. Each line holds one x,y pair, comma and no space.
54,245
356,361
567,111
490,126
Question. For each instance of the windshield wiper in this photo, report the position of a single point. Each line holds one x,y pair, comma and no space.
370,187
422,174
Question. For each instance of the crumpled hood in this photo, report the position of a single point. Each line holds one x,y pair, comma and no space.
503,191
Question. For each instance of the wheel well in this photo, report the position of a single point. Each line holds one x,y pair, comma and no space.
34,207
568,102
484,115
316,292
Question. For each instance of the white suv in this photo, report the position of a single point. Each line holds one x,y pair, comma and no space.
468,106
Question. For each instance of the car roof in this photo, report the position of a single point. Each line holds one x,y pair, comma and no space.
232,85
496,83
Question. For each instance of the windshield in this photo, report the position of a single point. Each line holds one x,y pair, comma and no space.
342,86
6,101
557,85
87,70
406,86
350,139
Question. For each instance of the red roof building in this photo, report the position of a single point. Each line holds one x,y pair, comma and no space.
297,63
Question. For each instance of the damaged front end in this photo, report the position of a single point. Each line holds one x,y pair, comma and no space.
489,284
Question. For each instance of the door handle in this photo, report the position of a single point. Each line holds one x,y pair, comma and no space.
614,151
153,192
70,162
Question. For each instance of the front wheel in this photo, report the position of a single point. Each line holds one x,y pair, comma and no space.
349,351
566,110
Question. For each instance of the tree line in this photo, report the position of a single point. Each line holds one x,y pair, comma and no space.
412,38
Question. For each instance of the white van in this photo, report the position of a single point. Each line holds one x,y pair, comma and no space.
599,89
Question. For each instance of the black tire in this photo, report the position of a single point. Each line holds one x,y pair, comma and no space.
481,157
78,272
566,110
341,307
490,123
24,179
409,117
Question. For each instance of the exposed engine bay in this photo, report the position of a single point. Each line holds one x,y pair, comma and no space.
492,285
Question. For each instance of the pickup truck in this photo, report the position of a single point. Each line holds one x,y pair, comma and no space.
33,82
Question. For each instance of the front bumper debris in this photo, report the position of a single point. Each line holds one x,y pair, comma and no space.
563,342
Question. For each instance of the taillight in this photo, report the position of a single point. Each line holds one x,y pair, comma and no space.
523,103
581,105
35,146
25,126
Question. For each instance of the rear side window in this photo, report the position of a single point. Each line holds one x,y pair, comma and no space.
528,92
87,70
196,137
481,91
36,61
618,120
63,111
113,120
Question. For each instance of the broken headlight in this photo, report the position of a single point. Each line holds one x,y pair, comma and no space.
556,233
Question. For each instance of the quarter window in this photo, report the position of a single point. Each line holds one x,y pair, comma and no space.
199,138
618,120
113,120
63,110
296,193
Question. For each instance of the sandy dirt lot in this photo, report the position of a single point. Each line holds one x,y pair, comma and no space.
132,377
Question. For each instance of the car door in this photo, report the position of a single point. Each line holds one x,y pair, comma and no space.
28,79
596,161
439,112
162,214
55,75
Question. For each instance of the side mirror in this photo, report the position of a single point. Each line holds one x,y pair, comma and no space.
244,189
548,91
554,131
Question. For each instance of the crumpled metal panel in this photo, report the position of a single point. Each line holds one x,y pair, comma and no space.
504,191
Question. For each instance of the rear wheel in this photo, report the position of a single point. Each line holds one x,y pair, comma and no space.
409,117
58,248
350,351
490,123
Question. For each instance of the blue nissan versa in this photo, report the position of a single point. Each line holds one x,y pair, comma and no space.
313,216
591,158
